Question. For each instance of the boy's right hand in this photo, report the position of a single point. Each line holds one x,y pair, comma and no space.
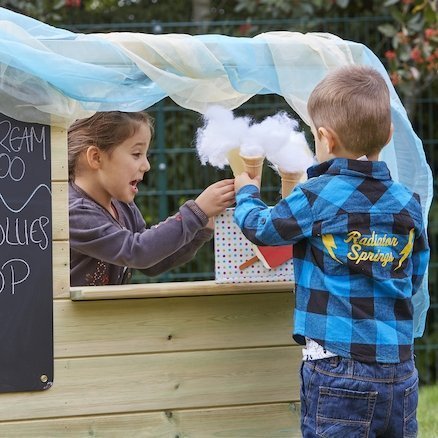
244,179
216,197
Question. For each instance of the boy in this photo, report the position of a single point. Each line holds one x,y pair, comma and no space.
360,253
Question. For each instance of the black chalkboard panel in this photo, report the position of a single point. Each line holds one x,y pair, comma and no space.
26,285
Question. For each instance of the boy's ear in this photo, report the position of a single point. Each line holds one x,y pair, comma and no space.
328,138
94,157
391,131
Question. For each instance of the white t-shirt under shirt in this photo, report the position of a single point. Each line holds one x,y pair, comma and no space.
314,351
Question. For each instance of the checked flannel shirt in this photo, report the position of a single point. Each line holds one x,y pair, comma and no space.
360,253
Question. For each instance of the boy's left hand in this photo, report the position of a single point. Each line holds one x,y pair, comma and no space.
244,179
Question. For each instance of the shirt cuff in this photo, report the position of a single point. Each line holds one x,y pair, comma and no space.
249,189
194,207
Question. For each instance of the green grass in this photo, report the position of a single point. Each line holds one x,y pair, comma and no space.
427,413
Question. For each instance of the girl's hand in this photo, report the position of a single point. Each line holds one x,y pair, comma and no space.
210,223
216,197
244,179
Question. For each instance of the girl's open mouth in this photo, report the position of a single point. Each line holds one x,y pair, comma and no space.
134,185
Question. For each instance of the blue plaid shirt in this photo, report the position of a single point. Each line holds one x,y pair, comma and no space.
360,253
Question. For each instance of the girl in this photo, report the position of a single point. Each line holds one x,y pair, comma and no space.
107,156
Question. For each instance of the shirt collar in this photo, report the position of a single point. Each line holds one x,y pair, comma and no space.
343,166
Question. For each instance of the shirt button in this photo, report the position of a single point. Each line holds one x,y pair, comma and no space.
263,221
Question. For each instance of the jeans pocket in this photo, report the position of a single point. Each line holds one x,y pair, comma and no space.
344,413
410,402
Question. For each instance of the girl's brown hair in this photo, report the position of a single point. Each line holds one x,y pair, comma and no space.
105,130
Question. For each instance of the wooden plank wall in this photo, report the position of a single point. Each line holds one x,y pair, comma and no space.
61,251
195,366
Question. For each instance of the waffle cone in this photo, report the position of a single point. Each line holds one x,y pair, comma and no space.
288,181
235,161
253,166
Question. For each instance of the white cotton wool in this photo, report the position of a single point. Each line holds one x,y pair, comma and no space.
276,137
270,134
220,133
294,156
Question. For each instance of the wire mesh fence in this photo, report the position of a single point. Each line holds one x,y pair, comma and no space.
177,174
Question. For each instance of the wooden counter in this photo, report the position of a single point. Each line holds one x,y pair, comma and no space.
177,289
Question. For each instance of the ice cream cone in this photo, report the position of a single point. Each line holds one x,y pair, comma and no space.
235,161
288,181
253,166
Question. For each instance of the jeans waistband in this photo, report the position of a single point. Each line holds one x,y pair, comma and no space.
378,372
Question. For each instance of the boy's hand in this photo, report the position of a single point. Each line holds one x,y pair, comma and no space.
216,197
244,179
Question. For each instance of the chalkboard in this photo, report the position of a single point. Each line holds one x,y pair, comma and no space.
26,284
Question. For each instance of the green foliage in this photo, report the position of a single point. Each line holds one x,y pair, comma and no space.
100,11
427,413
305,10
412,33
413,58
45,10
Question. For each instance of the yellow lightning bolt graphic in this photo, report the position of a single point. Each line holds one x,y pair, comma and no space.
329,243
407,249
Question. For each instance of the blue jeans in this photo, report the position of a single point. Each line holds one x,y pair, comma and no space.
344,398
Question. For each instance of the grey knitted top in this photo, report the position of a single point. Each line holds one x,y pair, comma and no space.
103,250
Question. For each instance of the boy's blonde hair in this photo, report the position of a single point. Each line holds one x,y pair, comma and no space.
354,102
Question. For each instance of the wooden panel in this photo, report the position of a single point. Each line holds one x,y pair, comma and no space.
167,381
61,269
60,211
273,421
176,289
170,324
59,154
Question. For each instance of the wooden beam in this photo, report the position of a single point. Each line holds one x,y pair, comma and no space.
187,288
58,138
60,220
61,269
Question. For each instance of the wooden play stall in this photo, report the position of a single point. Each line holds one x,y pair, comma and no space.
160,360
192,359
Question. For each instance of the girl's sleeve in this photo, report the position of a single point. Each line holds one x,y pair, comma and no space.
94,234
287,222
181,256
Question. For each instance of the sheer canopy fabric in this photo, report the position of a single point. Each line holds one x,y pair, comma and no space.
53,76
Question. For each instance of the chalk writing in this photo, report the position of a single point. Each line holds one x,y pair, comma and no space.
23,157
18,138
13,168
18,210
13,272
26,278
24,232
